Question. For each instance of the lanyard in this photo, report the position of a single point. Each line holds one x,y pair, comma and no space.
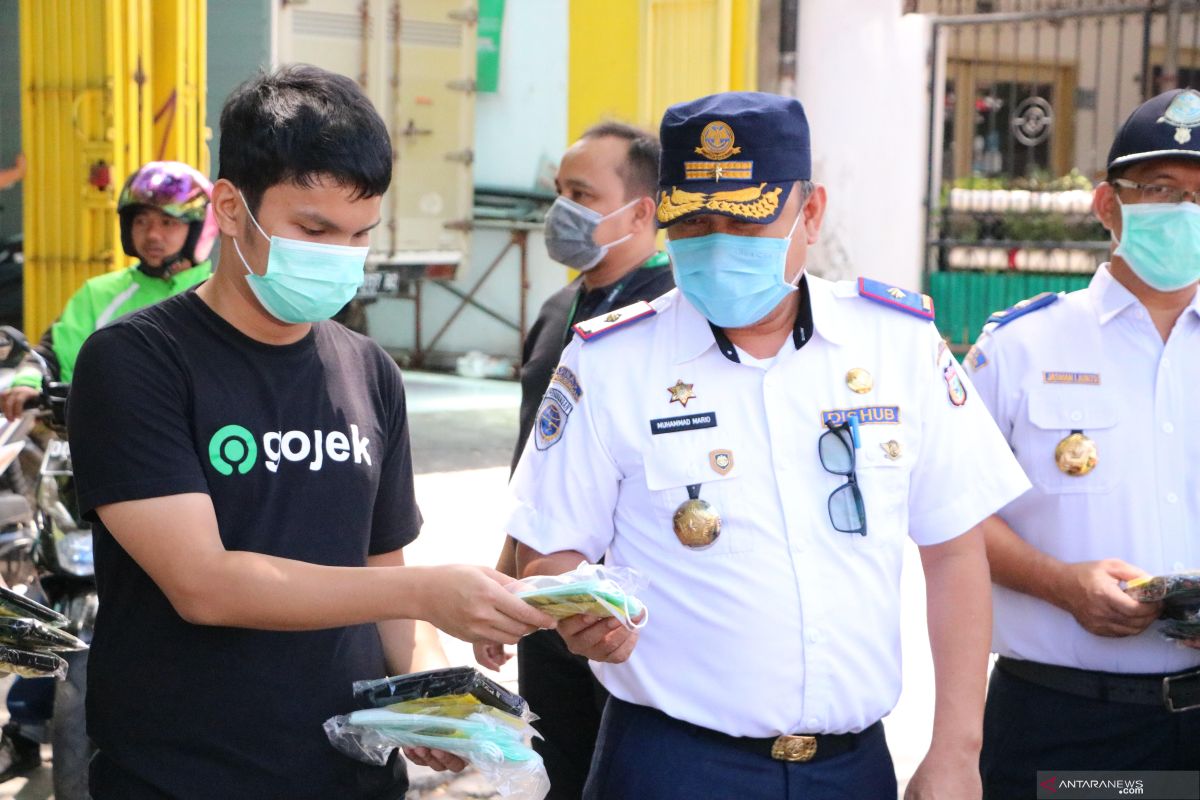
606,305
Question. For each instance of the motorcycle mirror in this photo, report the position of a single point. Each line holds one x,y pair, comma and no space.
13,346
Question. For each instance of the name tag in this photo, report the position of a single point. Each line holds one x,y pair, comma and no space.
866,415
688,422
1086,378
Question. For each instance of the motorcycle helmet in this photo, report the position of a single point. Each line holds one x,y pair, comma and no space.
179,191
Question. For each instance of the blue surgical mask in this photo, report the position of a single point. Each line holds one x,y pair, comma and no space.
1161,243
305,281
734,281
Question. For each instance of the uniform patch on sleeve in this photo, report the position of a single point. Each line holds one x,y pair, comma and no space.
552,418
976,359
956,390
605,324
915,303
566,378
1026,306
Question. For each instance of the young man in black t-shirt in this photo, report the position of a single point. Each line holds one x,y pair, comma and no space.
247,468
605,215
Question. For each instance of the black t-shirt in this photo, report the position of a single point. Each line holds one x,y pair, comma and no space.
573,303
304,451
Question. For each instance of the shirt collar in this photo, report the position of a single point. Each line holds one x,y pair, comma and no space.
1109,297
826,319
694,334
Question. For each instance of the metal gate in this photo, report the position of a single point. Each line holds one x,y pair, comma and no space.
1026,96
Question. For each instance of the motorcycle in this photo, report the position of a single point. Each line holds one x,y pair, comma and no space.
66,571
18,532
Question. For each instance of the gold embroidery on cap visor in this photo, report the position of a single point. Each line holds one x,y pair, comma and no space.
754,202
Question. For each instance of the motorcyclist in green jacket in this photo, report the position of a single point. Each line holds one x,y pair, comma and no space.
165,224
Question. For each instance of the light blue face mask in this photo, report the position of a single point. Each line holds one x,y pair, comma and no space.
734,281
1161,243
305,281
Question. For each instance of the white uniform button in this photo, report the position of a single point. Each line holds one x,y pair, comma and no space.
814,724
1076,416
814,636
1166,362
1139,313
1178,567
1172,497
1168,427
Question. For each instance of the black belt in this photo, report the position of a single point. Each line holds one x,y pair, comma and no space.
796,748
1179,691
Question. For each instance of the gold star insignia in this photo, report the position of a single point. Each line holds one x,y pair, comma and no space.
681,392
613,317
896,293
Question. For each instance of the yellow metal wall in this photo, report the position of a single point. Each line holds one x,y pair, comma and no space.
630,59
94,74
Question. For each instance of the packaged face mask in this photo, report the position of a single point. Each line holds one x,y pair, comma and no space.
1179,587
29,634
18,605
593,589
451,710
28,664
450,689
1179,594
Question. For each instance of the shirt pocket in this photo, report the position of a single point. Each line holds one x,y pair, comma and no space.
671,466
883,466
1053,414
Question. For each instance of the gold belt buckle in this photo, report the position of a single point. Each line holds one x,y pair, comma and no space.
794,748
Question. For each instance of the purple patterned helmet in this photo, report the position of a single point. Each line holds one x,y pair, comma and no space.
177,190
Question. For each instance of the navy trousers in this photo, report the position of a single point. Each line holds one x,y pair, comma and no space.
643,754
1027,728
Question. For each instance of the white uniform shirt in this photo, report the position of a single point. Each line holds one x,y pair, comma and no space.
1094,362
784,624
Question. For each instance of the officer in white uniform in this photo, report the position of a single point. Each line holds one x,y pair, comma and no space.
759,444
1096,393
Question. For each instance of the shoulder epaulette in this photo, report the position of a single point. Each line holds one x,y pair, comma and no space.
1026,306
915,303
614,320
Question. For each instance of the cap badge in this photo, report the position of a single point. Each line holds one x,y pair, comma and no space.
1184,114
716,142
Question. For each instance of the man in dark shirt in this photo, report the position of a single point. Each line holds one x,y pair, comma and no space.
246,465
603,225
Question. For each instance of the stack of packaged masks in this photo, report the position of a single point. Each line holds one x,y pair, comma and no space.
457,710
593,589
1180,596
31,638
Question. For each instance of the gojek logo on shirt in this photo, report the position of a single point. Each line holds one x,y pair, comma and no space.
235,448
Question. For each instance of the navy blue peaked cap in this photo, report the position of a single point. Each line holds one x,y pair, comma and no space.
1161,127
735,153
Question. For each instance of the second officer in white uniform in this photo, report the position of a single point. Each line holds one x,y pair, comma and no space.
1096,391
759,444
